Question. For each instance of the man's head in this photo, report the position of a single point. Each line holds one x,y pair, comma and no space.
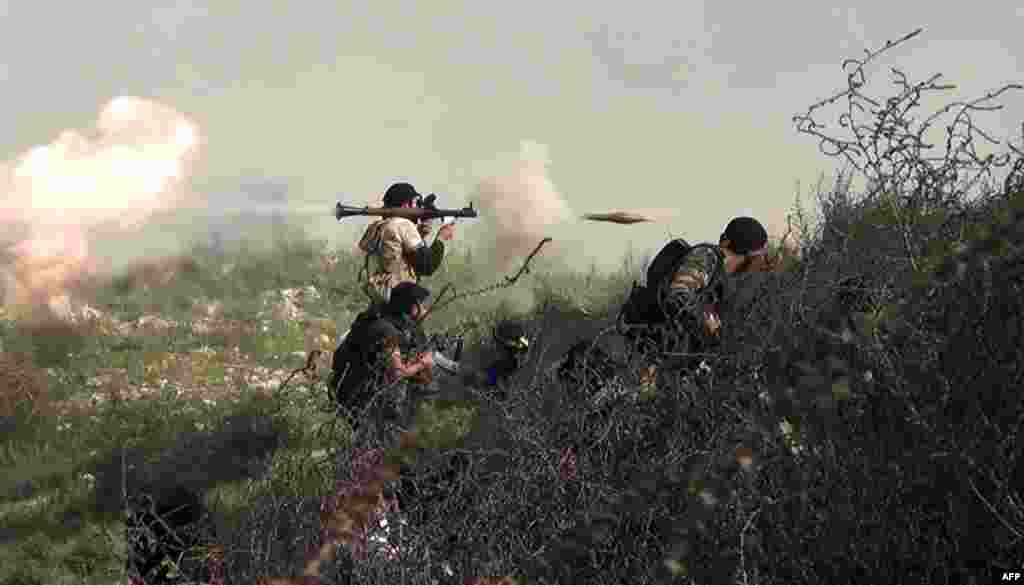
400,195
744,238
407,300
511,336
513,345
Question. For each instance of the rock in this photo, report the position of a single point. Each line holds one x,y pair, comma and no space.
146,324
61,308
207,310
285,311
66,309
263,384
289,304
202,327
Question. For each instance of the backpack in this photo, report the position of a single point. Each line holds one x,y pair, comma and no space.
647,303
642,306
666,261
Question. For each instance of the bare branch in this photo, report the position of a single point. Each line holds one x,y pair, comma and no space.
886,144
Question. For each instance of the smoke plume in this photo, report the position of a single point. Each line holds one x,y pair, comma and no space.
520,208
59,198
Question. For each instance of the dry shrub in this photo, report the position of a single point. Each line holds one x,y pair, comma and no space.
23,387
150,274
98,325
234,332
113,382
52,340
204,364
162,365
319,334
327,262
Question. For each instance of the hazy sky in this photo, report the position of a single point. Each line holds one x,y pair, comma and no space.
641,104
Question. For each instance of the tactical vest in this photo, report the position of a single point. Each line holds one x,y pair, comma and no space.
384,268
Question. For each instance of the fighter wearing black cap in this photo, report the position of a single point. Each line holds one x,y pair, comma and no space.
396,251
376,351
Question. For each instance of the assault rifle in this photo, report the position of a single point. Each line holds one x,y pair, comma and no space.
446,345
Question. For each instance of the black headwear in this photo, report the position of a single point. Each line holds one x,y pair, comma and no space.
512,335
399,193
747,236
404,296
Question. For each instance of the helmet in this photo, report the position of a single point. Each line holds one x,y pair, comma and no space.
511,335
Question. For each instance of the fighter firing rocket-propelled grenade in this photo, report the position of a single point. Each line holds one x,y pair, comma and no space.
619,217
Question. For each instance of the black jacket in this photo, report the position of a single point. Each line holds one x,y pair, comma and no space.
358,366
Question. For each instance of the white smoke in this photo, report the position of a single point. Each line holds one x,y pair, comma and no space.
519,208
57,199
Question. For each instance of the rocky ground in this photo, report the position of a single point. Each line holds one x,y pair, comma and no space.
188,375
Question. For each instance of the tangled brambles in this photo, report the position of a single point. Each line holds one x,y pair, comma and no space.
347,516
165,545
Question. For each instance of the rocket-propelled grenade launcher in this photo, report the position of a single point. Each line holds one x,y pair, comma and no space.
424,209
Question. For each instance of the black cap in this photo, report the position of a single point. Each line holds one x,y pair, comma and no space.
747,235
511,334
404,296
399,193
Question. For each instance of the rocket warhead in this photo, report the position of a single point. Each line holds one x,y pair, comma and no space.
619,217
